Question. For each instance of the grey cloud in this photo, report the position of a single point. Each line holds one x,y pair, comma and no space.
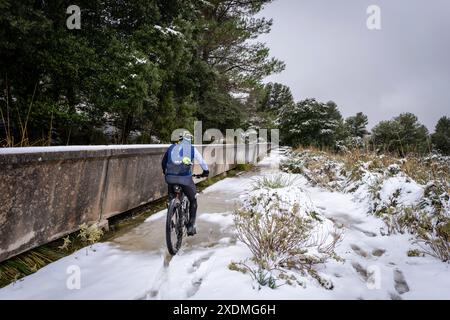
331,55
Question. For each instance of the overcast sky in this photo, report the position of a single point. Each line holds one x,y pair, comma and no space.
331,55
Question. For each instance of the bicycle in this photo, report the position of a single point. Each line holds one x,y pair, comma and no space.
177,218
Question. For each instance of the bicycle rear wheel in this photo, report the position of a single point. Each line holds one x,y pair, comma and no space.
174,227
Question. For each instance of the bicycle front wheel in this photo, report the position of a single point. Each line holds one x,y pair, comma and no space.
174,227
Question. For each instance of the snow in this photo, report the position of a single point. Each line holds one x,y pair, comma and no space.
140,60
156,216
228,185
240,95
375,266
102,264
409,191
326,131
168,30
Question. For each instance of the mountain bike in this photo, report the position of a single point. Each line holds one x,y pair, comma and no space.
177,218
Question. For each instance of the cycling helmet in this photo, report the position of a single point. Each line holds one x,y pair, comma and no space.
185,135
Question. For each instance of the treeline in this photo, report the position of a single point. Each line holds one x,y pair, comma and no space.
135,71
313,123
138,69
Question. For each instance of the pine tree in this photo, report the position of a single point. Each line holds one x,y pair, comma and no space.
276,97
237,65
137,68
441,135
311,123
357,125
403,135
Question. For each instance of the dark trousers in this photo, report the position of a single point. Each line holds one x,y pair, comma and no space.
189,189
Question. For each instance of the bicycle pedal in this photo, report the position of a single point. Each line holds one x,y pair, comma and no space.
192,232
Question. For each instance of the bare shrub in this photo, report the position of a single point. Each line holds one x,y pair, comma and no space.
435,246
436,242
281,236
273,239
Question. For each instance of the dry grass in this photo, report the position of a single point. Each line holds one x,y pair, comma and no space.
29,262
22,139
420,169
426,219
274,181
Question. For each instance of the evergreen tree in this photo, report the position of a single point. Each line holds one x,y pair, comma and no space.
404,134
311,123
441,135
265,102
137,68
237,65
276,97
357,124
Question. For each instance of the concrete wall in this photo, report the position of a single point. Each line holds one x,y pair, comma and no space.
47,193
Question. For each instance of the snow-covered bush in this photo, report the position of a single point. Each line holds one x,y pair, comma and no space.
317,167
283,230
409,194
349,144
408,206
310,122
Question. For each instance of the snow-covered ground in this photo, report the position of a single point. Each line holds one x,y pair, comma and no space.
135,265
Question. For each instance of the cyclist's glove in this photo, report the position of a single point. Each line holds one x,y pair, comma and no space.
205,173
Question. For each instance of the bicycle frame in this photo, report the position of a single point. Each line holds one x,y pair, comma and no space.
183,201
181,204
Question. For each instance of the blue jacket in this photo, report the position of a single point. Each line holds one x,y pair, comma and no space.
172,162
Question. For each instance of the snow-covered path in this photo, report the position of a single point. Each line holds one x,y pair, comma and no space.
135,264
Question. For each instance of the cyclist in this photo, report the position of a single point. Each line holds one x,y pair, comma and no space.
177,168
